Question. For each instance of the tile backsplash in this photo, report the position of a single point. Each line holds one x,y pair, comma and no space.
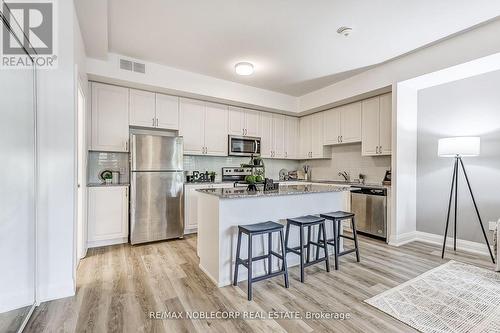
212,163
348,158
99,161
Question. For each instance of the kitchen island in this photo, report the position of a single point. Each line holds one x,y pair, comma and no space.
221,210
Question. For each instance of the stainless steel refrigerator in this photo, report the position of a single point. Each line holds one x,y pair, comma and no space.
156,188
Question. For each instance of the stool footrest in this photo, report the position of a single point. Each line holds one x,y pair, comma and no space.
348,237
306,264
347,252
267,276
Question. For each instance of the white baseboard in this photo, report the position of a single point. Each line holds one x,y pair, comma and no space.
50,292
402,239
106,242
463,245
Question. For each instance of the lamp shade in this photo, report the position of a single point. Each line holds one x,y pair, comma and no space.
461,146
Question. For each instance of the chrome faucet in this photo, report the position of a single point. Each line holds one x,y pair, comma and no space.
345,175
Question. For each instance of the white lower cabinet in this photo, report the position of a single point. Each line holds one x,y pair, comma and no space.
191,204
107,215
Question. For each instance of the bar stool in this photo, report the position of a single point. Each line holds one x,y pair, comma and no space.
259,229
307,222
337,217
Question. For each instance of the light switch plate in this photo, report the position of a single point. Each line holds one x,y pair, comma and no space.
493,225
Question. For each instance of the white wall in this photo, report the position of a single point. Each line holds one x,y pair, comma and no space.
468,107
473,44
56,140
179,82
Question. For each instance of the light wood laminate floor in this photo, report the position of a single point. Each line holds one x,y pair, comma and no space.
119,286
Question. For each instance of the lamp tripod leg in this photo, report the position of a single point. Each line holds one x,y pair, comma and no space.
456,207
477,210
449,208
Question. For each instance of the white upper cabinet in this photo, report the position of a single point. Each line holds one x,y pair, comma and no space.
110,118
292,138
266,135
350,123
167,112
376,126
331,128
318,150
216,129
305,138
204,127
252,122
343,124
385,124
192,125
149,109
243,122
236,121
142,108
312,145
279,136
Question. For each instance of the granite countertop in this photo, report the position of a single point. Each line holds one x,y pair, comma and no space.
238,192
106,185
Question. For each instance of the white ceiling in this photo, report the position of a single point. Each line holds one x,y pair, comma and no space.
292,43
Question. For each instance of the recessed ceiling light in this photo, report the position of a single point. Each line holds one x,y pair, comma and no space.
344,31
244,68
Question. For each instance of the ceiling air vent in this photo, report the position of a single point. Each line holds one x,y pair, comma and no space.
139,68
126,64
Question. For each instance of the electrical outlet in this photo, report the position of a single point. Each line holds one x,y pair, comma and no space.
493,225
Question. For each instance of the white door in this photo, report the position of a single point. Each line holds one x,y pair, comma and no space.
81,231
370,126
192,125
110,118
108,215
236,121
266,135
350,123
252,122
216,129
331,127
317,148
305,137
279,136
142,108
385,125
167,112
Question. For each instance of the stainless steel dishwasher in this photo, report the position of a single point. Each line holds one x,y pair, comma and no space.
370,206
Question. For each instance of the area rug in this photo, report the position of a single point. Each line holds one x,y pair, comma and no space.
454,297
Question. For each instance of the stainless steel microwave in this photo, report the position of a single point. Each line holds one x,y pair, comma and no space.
244,146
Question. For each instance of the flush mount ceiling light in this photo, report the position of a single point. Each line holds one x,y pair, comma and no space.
244,68
344,31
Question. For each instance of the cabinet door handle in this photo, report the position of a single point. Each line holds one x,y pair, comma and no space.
154,122
341,139
380,149
126,145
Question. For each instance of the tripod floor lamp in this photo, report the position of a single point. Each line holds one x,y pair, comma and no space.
457,148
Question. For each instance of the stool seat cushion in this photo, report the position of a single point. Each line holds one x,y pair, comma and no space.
261,227
338,215
308,219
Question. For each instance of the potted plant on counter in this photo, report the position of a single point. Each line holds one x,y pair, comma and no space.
212,175
250,179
